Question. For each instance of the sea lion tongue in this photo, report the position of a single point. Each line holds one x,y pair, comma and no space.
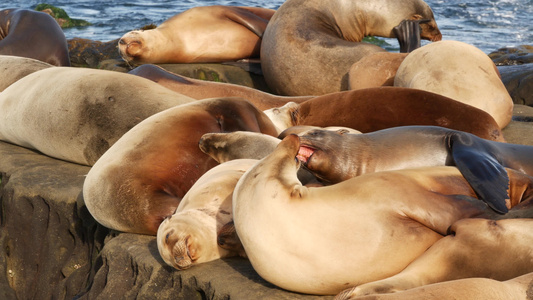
304,153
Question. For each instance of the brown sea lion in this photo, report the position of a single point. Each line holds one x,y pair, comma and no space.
76,114
201,89
201,34
322,240
374,109
33,34
335,157
309,45
459,71
141,179
13,68
499,250
189,236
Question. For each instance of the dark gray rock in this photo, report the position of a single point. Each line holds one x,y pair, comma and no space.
518,81
518,55
52,248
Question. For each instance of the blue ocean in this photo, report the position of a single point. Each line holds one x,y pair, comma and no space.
486,24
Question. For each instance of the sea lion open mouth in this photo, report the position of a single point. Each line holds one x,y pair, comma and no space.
305,153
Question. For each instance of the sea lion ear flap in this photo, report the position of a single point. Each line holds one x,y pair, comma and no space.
480,167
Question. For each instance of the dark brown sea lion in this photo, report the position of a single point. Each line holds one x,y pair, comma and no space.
201,34
335,157
309,45
374,109
322,240
33,34
201,89
141,179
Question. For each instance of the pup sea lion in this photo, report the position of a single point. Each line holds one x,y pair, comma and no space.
76,114
201,34
499,250
13,68
33,34
141,179
459,71
335,157
189,236
322,240
374,109
201,89
309,46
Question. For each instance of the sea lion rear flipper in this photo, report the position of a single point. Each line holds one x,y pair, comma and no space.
408,34
228,239
248,19
482,170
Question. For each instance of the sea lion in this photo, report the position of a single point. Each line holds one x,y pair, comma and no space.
459,71
13,68
500,250
33,34
518,288
374,109
336,157
322,240
374,70
302,129
200,34
141,179
309,45
201,89
189,236
76,114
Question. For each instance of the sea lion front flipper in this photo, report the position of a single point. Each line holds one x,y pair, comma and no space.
408,34
246,18
228,239
481,169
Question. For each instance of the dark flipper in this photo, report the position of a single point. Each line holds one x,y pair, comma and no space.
408,34
484,172
228,239
248,19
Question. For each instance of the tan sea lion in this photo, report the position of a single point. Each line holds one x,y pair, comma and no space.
141,179
189,236
459,71
374,70
309,45
76,114
335,157
323,240
518,288
13,68
374,109
202,89
33,34
499,250
201,34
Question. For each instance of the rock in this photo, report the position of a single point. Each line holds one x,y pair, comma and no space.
47,245
512,55
131,268
520,130
89,53
52,248
61,16
518,80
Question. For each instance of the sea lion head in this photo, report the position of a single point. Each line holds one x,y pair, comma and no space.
131,46
321,152
283,117
428,30
188,238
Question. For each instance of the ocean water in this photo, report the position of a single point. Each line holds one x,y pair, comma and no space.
486,24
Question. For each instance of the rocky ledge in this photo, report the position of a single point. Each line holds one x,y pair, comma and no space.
52,248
